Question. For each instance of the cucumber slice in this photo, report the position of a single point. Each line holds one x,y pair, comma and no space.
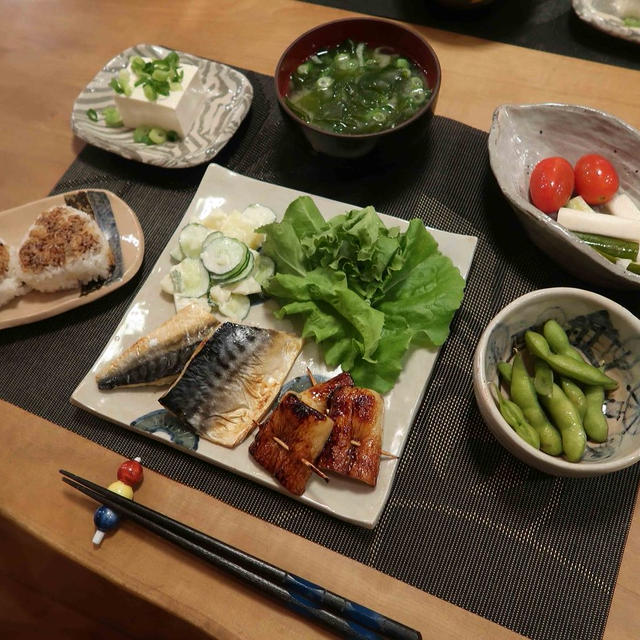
236,276
218,296
225,256
237,308
212,236
191,238
258,215
190,278
264,269
245,287
176,254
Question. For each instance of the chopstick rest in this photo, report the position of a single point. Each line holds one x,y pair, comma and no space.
347,618
105,518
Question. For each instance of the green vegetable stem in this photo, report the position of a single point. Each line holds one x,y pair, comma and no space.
566,365
565,416
524,395
512,413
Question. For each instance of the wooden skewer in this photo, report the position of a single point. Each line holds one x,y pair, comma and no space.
311,466
357,443
315,469
311,378
284,445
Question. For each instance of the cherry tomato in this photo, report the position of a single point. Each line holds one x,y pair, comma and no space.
551,184
596,179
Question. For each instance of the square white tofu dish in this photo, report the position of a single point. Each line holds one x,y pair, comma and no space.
226,99
175,112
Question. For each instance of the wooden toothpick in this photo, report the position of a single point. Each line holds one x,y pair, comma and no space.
315,469
284,445
311,378
357,443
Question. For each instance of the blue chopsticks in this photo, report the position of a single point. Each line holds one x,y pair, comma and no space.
346,618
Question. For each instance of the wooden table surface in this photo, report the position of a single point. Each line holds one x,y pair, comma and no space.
52,582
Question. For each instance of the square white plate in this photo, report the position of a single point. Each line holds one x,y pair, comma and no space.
228,96
343,498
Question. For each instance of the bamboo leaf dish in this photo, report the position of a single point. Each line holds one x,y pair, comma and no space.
609,16
605,333
522,135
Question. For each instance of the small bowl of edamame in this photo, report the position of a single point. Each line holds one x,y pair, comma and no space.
556,376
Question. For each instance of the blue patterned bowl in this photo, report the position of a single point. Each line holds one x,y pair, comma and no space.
607,334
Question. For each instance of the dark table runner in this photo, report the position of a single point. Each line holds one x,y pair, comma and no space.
546,25
466,521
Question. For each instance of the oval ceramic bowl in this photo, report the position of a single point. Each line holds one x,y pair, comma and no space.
606,333
375,33
521,135
609,15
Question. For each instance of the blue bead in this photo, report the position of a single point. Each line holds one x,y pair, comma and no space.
105,519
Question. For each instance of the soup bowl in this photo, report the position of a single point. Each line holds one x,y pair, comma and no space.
376,33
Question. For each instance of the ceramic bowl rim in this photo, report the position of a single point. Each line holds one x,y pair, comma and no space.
524,206
498,426
360,136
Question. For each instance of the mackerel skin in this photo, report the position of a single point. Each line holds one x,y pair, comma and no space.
231,381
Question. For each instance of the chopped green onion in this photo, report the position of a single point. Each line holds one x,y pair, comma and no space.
92,115
150,93
137,65
157,135
175,86
172,136
303,69
160,75
112,117
402,63
324,82
116,86
141,134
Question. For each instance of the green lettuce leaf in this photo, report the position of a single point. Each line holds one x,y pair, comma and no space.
365,293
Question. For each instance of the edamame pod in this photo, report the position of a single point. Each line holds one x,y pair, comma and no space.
558,340
543,378
566,419
524,395
575,394
595,423
505,369
512,413
565,365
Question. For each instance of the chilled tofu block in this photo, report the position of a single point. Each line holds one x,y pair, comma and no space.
175,112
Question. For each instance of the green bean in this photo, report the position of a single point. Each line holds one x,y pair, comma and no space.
524,395
575,394
505,370
512,413
543,378
567,420
566,365
595,423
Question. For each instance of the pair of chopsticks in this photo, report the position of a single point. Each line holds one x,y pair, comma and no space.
346,618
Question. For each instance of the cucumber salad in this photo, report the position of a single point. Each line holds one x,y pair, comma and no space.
218,263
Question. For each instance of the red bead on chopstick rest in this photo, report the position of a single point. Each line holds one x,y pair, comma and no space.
106,519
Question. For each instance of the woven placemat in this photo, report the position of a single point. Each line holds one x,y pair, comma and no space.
545,25
466,521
